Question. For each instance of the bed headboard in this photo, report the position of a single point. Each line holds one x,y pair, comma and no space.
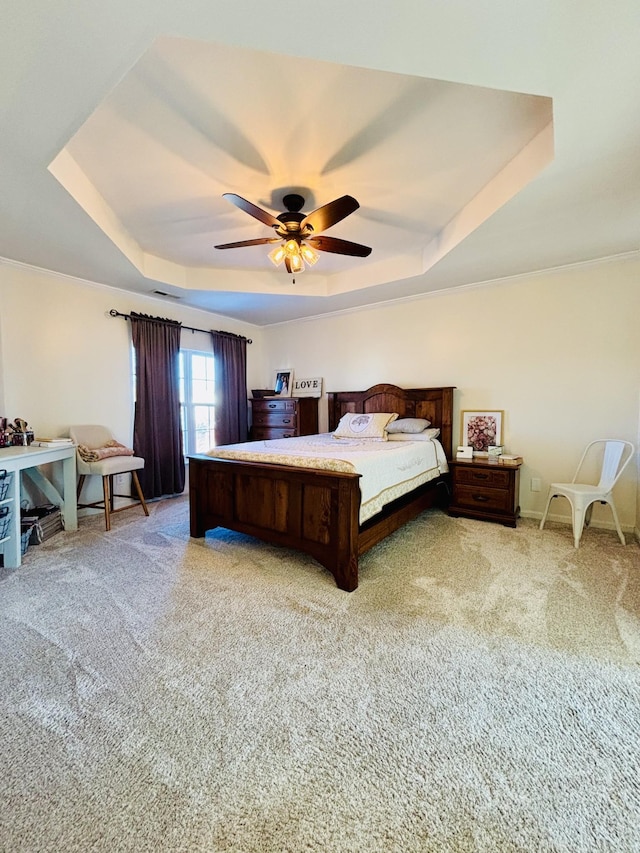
434,404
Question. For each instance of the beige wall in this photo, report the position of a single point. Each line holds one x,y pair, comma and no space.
559,352
64,360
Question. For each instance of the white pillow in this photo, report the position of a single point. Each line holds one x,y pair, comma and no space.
425,435
409,425
370,426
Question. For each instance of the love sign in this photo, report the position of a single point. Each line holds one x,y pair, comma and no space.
307,387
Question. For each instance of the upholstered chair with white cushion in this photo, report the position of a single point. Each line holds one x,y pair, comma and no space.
99,454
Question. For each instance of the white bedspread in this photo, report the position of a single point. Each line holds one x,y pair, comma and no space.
388,469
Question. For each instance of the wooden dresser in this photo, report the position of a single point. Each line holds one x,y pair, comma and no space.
284,417
485,490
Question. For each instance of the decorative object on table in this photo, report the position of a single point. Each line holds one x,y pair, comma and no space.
282,382
464,452
480,428
19,433
495,450
308,387
508,459
5,437
261,393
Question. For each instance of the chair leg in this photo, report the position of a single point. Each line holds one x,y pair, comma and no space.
617,523
80,485
587,515
107,502
546,510
577,516
136,483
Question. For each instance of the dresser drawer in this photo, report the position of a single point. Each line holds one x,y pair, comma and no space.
269,405
266,433
481,497
494,478
283,420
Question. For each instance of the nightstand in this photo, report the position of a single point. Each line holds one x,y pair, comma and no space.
486,490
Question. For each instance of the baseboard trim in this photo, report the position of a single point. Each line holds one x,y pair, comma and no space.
566,519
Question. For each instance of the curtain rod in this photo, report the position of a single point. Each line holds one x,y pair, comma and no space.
114,313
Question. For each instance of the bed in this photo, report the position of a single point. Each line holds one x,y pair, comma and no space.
314,510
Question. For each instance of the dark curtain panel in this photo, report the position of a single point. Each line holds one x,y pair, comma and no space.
156,429
230,361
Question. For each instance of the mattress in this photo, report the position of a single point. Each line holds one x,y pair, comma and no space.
388,469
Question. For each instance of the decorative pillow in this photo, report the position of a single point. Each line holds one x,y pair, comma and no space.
409,425
371,426
425,435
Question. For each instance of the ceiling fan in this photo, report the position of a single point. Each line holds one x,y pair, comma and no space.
298,233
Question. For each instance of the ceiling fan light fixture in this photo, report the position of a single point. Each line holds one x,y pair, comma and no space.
310,255
295,262
292,247
277,255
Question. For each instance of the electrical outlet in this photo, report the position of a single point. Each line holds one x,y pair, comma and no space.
120,479
535,484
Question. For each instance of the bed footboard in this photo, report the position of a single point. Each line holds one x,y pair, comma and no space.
309,510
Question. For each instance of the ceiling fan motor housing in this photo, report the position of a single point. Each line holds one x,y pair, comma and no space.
291,218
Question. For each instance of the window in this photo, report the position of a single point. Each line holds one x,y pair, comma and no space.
197,407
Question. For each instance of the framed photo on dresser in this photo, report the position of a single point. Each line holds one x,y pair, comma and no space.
283,382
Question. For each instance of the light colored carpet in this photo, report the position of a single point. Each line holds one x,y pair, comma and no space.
480,691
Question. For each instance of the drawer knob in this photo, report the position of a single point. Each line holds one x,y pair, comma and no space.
272,405
286,420
480,476
481,498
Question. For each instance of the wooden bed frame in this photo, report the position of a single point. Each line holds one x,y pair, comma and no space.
311,510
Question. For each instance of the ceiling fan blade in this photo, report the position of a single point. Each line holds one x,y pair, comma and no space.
339,247
259,242
252,210
327,215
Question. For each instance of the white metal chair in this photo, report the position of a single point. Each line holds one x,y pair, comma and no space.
616,454
95,436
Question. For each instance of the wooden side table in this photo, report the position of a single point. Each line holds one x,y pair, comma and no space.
485,489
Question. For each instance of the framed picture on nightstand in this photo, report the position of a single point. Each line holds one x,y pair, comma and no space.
480,429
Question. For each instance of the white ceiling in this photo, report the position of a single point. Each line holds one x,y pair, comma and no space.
123,124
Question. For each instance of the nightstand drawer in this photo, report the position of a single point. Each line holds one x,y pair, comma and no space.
481,497
483,477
